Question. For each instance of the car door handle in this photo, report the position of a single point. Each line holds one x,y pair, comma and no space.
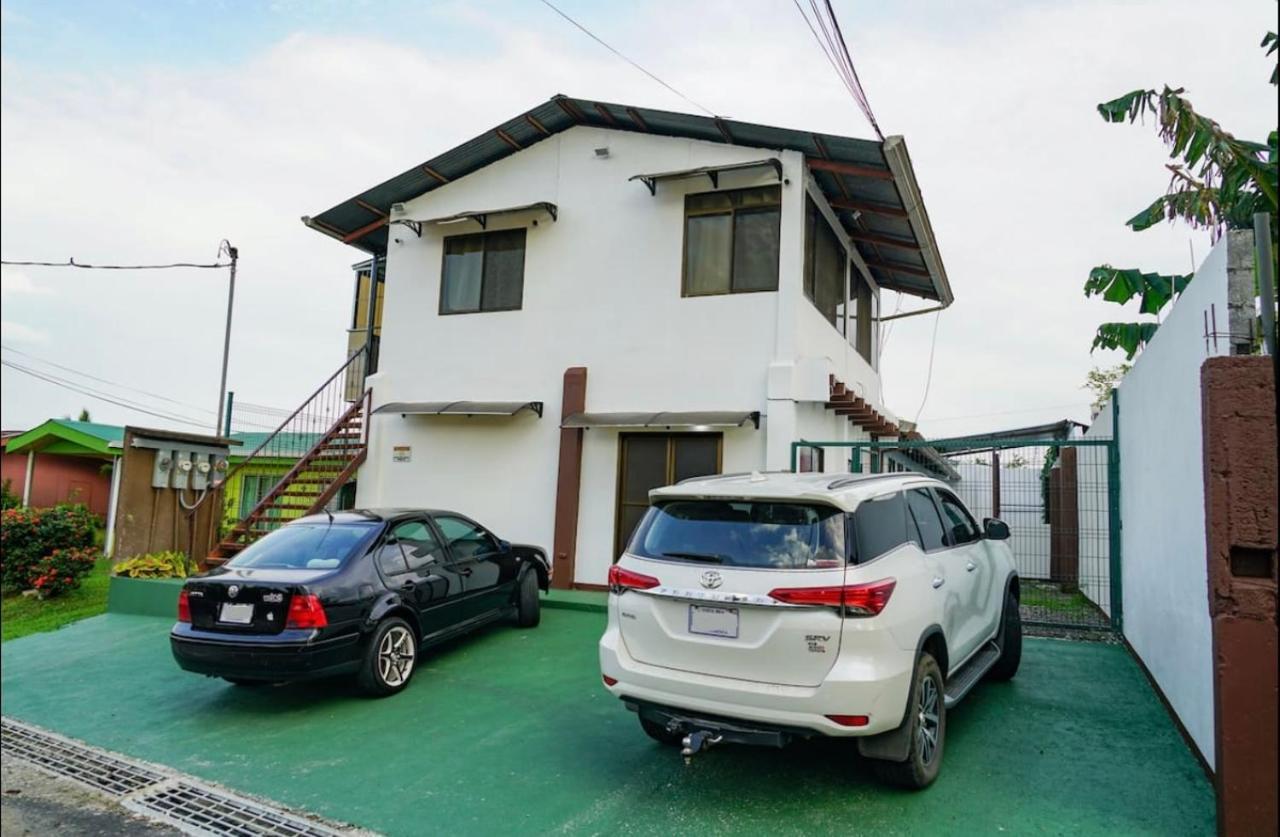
970,567
938,582
464,572
408,586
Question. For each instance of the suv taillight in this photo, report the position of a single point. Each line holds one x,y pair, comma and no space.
305,611
184,607
857,599
621,579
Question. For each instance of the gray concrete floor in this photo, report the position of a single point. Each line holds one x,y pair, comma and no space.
34,803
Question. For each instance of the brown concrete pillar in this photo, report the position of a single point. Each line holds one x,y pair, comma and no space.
569,479
1242,524
1064,523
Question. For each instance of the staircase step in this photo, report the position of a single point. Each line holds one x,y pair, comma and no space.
959,684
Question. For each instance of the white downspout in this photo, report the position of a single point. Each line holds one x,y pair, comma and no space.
26,482
109,542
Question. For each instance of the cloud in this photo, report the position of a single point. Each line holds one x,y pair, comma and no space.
1026,187
12,332
15,283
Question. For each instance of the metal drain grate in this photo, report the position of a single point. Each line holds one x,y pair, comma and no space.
156,793
219,813
67,758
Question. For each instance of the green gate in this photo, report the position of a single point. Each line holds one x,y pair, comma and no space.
1060,498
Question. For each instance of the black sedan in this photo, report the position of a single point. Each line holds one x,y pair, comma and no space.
357,592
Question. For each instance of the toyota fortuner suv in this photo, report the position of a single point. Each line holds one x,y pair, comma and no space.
761,608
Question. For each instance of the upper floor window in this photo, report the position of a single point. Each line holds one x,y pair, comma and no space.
483,272
824,266
731,241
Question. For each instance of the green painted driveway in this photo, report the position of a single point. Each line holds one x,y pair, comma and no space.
511,732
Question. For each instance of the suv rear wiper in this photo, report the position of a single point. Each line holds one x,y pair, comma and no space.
696,556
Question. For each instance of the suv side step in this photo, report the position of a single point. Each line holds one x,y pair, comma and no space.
959,684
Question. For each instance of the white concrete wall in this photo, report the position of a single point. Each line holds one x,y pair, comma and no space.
1165,586
1093,509
602,289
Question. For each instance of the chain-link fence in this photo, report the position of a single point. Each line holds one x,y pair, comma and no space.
1058,497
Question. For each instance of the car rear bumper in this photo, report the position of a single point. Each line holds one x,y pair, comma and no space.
874,682
198,652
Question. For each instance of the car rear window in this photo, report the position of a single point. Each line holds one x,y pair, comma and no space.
743,534
879,525
306,546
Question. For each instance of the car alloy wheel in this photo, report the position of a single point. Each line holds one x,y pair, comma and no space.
927,728
395,656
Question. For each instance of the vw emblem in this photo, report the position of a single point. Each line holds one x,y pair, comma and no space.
233,590
711,579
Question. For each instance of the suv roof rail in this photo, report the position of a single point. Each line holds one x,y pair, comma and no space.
845,482
727,476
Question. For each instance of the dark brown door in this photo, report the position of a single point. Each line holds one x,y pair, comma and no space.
652,460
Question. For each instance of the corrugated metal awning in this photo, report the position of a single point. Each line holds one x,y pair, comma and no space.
460,408
696,418
869,184
712,173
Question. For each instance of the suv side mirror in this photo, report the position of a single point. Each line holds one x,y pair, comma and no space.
996,529
504,546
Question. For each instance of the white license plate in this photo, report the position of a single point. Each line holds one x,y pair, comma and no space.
236,614
713,621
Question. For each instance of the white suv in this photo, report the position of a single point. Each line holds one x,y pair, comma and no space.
761,608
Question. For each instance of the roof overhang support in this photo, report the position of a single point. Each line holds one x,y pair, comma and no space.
851,169
712,173
692,419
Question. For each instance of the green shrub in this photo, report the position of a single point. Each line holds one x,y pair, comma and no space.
8,498
28,535
168,564
61,570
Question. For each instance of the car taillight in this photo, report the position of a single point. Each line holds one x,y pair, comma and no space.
306,612
620,579
609,681
857,599
851,720
184,607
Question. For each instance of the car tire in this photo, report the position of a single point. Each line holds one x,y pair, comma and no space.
390,659
236,681
658,732
528,605
927,737
1010,641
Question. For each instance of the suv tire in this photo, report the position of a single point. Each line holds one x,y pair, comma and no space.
1010,641
390,659
528,606
927,717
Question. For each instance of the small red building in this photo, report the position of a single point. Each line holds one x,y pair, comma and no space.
62,461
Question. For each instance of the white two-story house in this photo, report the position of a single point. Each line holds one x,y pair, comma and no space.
592,300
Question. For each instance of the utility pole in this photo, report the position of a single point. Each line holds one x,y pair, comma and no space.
234,253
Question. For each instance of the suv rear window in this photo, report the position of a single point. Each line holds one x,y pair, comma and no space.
879,525
743,534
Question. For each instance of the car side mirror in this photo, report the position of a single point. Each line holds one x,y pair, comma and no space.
504,546
996,529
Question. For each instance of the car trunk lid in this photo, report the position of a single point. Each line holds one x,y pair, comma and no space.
246,601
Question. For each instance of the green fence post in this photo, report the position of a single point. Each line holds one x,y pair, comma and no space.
795,450
1114,522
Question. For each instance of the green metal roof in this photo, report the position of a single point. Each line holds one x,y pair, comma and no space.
74,438
877,201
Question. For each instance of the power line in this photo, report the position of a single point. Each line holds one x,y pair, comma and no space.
73,263
831,42
593,37
103,380
68,385
933,344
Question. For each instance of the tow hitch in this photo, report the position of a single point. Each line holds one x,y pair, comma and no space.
697,741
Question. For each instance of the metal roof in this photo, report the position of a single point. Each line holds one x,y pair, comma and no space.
869,184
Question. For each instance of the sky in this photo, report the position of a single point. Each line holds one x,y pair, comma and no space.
143,132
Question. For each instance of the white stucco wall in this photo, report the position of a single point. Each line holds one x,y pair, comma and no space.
602,289
1165,584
